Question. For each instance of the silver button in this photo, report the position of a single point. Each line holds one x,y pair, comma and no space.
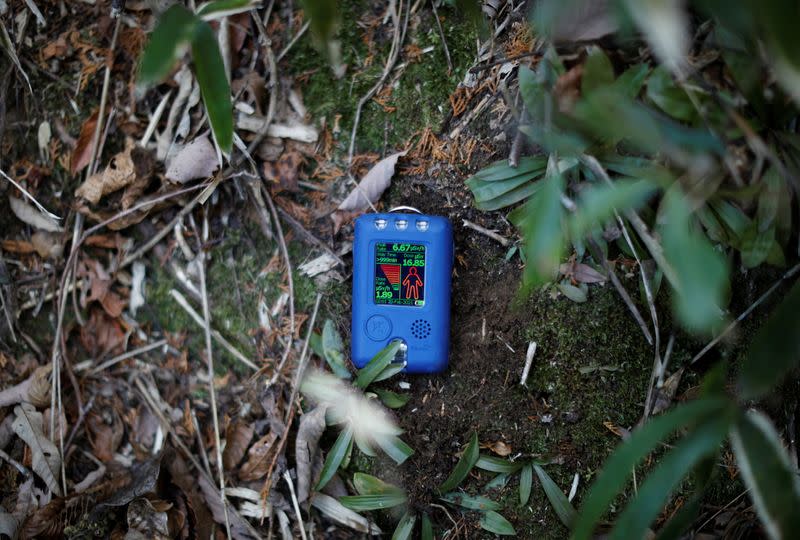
380,223
401,224
422,225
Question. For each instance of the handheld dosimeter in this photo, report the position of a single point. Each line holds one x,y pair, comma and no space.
401,289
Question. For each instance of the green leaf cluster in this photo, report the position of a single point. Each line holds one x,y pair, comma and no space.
179,29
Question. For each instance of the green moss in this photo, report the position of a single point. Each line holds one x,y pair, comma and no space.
601,337
237,284
420,93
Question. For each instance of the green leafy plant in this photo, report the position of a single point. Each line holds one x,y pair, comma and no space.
695,164
375,494
656,136
767,471
351,406
179,29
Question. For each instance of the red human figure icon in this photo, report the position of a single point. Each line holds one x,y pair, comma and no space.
412,283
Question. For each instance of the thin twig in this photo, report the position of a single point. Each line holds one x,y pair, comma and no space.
201,447
486,232
157,409
306,235
293,41
441,35
289,278
16,464
130,354
788,274
301,366
81,415
219,338
597,254
528,361
476,69
394,54
651,243
295,504
201,266
273,92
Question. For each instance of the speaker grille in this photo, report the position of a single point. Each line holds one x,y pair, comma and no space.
421,329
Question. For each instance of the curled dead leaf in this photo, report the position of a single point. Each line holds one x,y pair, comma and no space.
285,171
35,390
500,448
119,173
106,429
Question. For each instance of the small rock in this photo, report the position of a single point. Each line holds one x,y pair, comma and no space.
570,417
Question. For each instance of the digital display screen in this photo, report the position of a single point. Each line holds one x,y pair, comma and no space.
400,274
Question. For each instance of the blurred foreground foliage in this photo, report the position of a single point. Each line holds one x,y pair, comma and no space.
684,152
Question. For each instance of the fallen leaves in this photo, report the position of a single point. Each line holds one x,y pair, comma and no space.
45,458
105,429
312,426
368,191
100,284
285,172
258,458
120,172
82,152
102,334
237,438
35,390
198,159
498,447
29,214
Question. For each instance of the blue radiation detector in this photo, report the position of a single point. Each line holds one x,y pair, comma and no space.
401,289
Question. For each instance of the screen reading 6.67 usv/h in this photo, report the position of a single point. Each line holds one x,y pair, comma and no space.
400,274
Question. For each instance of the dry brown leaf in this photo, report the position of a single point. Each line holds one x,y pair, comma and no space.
47,245
239,527
100,282
83,147
372,186
21,247
186,481
102,334
47,522
119,173
285,171
237,439
46,461
198,159
106,429
35,389
665,394
258,458
500,448
27,213
312,426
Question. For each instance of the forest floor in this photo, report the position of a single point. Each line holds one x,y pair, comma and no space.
589,376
